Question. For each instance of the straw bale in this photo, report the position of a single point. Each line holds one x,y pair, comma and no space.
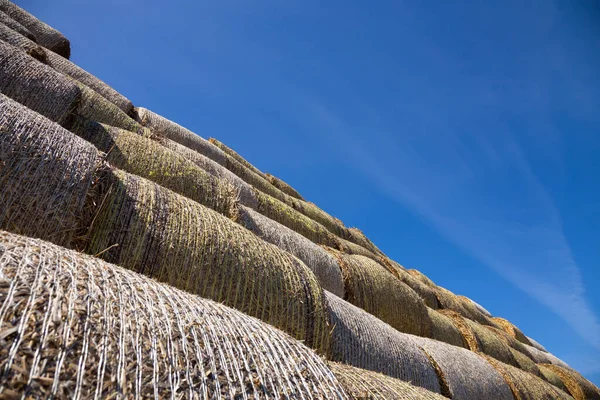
465,374
361,340
15,26
511,329
536,344
45,174
489,343
474,312
525,363
526,386
146,158
323,264
313,212
45,35
424,291
74,326
443,329
579,387
481,309
541,357
237,157
370,286
450,301
511,341
361,384
349,247
36,85
16,39
422,277
551,377
357,236
283,186
149,229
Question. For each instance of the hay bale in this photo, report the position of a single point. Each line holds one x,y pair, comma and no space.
422,277
324,265
551,377
16,39
45,174
464,374
474,311
525,363
146,158
74,326
36,85
424,291
361,340
481,308
541,357
370,286
579,387
536,344
237,157
283,186
361,384
443,329
45,35
526,386
313,212
152,230
450,301
349,247
510,341
357,236
511,330
15,26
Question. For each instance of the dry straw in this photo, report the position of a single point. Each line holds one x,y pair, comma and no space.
370,286
361,384
541,357
536,344
76,327
579,387
511,330
450,301
525,363
511,341
16,26
44,34
422,277
481,309
283,186
14,38
443,329
152,230
361,340
237,157
323,264
550,376
423,290
45,173
357,236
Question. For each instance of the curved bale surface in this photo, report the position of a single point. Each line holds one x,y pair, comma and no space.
525,363
450,301
361,384
474,312
283,186
15,26
443,329
422,277
323,264
481,309
45,35
237,157
76,327
36,85
361,340
313,212
424,291
370,286
579,387
541,357
551,377
526,386
147,158
511,341
16,39
511,330
464,374
357,236
45,175
154,231
536,344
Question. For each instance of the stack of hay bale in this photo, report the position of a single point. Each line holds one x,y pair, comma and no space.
139,259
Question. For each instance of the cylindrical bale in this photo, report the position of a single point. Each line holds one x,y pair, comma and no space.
541,357
323,264
579,387
283,186
362,384
15,26
361,340
370,286
464,374
424,291
16,39
536,344
149,159
475,312
237,157
357,236
74,326
511,329
45,35
45,174
443,329
313,212
35,85
422,277
152,230
349,247
551,377
510,341
450,301
525,363
526,386
481,309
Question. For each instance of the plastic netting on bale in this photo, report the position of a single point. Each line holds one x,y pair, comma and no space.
44,34
150,229
16,39
451,301
15,26
481,309
323,264
424,291
536,344
313,212
443,329
361,340
542,357
511,329
551,377
283,186
237,157
362,384
357,236
579,387
45,174
76,327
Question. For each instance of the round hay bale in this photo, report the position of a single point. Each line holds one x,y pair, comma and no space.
443,329
149,159
511,329
45,35
474,312
361,340
536,344
525,363
15,26
450,301
357,236
152,230
283,186
16,39
481,309
424,291
36,85
465,375
579,387
370,286
422,277
551,377
361,384
526,386
349,247
237,157
45,175
510,341
74,326
541,357
313,212
323,264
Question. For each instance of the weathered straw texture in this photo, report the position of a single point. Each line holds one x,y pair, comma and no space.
152,230
45,173
511,329
550,376
357,236
370,286
147,158
422,277
450,301
362,340
283,186
45,35
323,264
465,375
15,26
542,357
349,247
511,341
361,384
237,157
76,327
474,312
481,308
579,387
536,344
313,212
525,363
36,85
526,386
14,38
424,291
443,329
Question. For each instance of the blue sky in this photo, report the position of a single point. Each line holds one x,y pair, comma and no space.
461,137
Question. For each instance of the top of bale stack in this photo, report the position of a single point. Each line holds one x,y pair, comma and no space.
511,329
283,186
579,387
16,26
237,157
